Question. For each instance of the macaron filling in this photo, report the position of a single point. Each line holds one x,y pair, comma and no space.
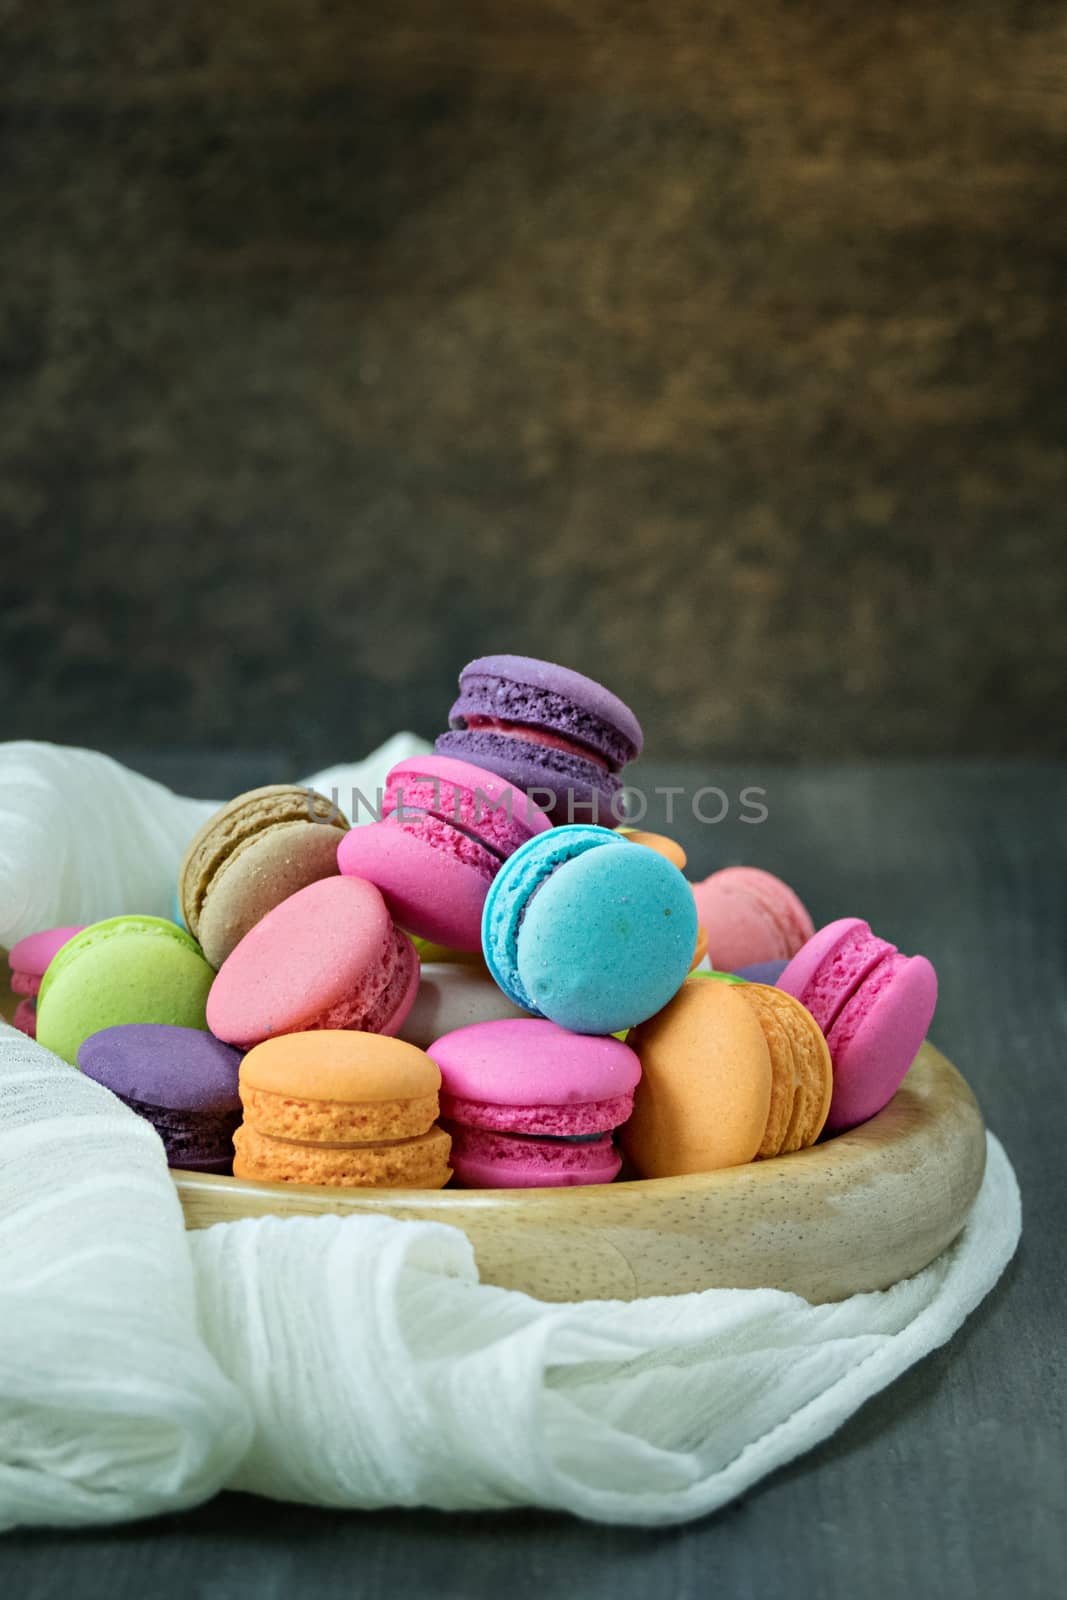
540,736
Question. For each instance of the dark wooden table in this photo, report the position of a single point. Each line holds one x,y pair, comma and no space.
950,1482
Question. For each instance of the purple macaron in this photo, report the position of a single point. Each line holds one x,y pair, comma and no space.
762,971
182,1080
544,728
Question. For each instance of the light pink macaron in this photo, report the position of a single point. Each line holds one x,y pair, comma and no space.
531,1105
29,957
873,1004
750,915
446,829
327,957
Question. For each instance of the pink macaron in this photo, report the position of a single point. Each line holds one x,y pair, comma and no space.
750,915
327,957
873,1004
28,959
446,829
530,1105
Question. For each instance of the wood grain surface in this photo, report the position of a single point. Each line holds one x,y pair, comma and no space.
853,1214
715,350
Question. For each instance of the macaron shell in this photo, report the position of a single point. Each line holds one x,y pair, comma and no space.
808,1062
784,1072
486,805
705,1091
482,1159
125,969
570,787
184,1070
750,915
252,881
827,970
427,891
454,995
31,956
514,886
327,957
236,828
420,1163
330,1065
582,929
876,1037
533,1062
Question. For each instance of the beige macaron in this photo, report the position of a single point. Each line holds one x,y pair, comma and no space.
250,856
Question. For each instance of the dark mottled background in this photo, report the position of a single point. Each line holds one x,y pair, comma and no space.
716,350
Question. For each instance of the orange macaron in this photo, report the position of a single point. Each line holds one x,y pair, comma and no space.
801,1072
731,1072
336,1106
705,1091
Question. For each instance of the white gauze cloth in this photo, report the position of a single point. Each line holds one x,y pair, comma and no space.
358,1361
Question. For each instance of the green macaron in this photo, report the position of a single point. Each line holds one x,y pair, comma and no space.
126,969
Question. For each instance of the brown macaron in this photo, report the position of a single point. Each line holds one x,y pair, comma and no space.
252,854
336,1106
802,1077
705,1090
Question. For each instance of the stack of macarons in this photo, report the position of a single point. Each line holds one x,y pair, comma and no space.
491,983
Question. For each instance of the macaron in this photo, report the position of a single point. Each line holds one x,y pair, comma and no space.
873,1004
124,969
446,828
250,855
531,1105
583,929
182,1080
454,994
547,730
750,915
659,842
704,1097
29,958
327,957
801,1075
344,1108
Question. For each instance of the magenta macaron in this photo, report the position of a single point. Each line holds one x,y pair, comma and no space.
873,1004
447,827
750,915
327,957
530,1105
28,960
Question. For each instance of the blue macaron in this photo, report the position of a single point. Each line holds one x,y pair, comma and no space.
589,930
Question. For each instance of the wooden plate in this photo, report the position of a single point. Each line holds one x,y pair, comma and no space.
853,1214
